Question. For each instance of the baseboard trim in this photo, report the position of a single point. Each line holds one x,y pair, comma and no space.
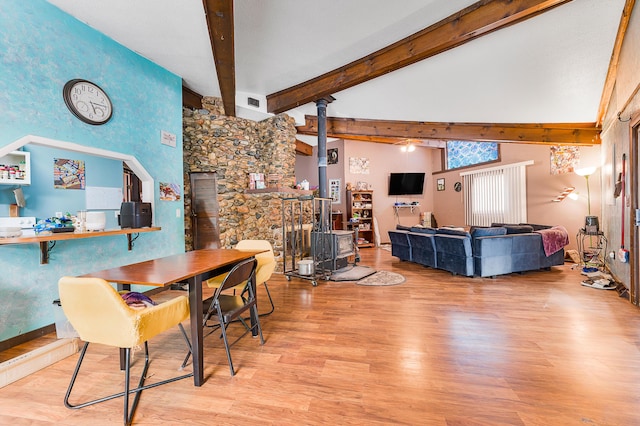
27,337
23,365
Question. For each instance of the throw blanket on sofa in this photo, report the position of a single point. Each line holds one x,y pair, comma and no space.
553,239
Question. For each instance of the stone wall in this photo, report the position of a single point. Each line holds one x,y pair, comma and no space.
233,148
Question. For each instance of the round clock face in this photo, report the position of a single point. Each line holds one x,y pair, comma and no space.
457,186
87,101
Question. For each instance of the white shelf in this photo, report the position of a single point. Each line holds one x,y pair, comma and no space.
405,206
15,158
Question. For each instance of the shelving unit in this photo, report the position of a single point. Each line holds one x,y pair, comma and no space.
20,162
360,215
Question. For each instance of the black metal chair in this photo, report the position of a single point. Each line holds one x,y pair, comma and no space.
266,265
221,309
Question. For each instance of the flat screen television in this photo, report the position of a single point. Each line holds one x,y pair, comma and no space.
406,183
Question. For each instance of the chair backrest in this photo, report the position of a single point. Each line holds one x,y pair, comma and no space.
100,315
97,311
239,274
266,260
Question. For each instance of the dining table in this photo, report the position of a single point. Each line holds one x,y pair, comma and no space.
193,267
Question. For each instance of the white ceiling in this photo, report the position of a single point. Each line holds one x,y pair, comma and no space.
548,69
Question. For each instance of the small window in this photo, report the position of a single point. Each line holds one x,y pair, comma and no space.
463,153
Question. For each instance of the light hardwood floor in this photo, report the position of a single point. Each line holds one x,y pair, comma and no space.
530,349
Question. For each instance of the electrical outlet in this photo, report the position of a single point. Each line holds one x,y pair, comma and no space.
58,214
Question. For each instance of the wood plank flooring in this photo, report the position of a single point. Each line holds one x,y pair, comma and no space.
530,349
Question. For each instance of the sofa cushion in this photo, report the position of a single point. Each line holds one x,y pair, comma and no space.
488,232
537,227
423,230
518,229
403,228
453,231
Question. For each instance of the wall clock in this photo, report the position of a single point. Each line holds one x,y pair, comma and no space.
87,101
457,186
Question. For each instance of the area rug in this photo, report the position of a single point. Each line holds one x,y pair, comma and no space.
352,273
382,278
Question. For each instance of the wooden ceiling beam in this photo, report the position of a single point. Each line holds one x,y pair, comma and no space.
219,15
191,99
466,25
303,148
612,73
386,130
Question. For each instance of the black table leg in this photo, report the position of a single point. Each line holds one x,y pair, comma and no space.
123,353
195,318
252,315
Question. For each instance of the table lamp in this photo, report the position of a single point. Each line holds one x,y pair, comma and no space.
591,225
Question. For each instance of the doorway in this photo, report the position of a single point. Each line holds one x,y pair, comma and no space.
132,186
634,290
204,210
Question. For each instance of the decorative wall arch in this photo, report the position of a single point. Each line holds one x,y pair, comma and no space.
148,186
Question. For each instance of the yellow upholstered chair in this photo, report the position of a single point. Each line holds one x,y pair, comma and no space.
266,266
100,315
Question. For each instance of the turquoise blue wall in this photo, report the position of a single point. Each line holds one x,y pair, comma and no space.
43,200
42,48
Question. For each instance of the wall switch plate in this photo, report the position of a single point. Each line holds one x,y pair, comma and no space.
178,214
58,214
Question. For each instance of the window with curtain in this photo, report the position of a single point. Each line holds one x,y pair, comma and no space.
496,195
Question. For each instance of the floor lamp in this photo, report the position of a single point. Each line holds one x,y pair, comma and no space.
591,225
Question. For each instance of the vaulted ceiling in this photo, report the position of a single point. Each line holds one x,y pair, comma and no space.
533,71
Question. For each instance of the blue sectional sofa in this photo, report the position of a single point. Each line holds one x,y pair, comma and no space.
423,248
400,246
484,252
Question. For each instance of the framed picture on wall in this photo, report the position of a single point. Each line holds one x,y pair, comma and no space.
332,156
362,186
440,184
334,191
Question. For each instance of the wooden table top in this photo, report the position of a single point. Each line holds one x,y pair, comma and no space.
171,269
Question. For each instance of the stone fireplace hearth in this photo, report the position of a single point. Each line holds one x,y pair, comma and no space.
234,147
